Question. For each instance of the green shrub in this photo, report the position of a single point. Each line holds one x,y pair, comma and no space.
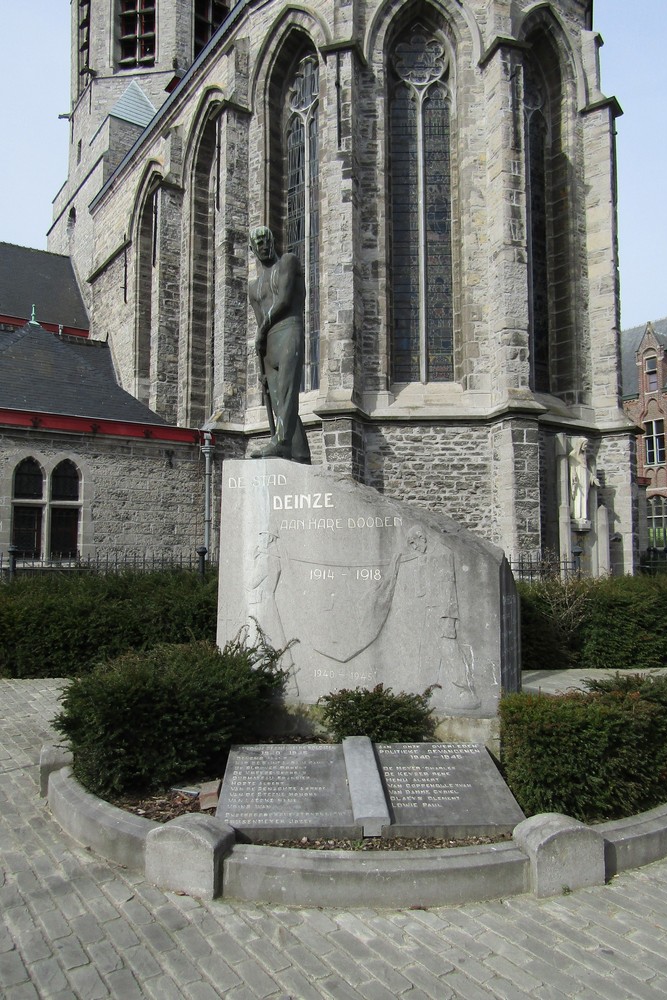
553,614
595,756
149,719
61,626
627,625
380,714
616,623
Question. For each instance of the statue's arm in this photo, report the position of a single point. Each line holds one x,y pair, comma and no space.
285,288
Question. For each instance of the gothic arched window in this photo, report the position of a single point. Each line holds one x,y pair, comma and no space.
536,142
302,216
422,347
146,258
205,200
46,511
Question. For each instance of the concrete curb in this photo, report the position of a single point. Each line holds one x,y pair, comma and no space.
342,878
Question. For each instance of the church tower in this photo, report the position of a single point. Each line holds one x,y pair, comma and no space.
126,58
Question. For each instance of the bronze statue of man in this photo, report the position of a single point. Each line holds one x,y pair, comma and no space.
277,296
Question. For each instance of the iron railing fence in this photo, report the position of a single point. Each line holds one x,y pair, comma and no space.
106,562
653,561
535,566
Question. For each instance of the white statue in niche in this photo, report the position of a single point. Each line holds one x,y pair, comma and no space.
581,478
441,655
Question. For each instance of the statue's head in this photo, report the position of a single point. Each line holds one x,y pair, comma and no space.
262,243
417,540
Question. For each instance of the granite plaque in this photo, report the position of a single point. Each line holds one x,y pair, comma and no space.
284,792
445,790
374,590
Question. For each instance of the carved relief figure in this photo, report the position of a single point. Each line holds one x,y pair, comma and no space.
441,655
581,478
277,297
262,605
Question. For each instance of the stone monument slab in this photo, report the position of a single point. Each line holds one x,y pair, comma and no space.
445,790
374,590
358,789
284,792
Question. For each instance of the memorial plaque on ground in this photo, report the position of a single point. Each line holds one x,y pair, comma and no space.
276,792
374,590
282,792
445,790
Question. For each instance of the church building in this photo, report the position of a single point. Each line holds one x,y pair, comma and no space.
445,170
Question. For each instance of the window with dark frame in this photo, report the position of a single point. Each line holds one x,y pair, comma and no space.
654,442
33,509
657,522
651,369
209,15
137,34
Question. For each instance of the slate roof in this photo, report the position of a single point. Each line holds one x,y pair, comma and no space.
46,280
630,341
73,376
133,106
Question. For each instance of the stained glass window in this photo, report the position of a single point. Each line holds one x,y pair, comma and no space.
420,219
536,133
302,202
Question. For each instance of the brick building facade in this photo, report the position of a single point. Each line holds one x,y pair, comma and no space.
644,357
444,170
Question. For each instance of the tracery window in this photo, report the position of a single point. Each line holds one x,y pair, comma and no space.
45,521
137,37
209,15
422,345
302,219
536,144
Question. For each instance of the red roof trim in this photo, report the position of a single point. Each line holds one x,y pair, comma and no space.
72,331
103,428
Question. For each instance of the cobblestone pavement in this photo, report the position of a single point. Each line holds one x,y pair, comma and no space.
74,926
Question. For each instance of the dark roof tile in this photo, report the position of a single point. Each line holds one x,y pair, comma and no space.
73,376
46,280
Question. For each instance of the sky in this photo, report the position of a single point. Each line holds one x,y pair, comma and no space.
34,83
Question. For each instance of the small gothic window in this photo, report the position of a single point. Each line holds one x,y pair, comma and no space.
41,529
28,480
137,33
422,346
301,140
65,481
209,15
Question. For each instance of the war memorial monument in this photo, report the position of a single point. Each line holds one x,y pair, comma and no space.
373,591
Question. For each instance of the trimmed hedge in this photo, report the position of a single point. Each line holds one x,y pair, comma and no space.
149,719
61,626
594,755
618,623
380,714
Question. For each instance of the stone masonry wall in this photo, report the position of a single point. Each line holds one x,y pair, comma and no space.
137,495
